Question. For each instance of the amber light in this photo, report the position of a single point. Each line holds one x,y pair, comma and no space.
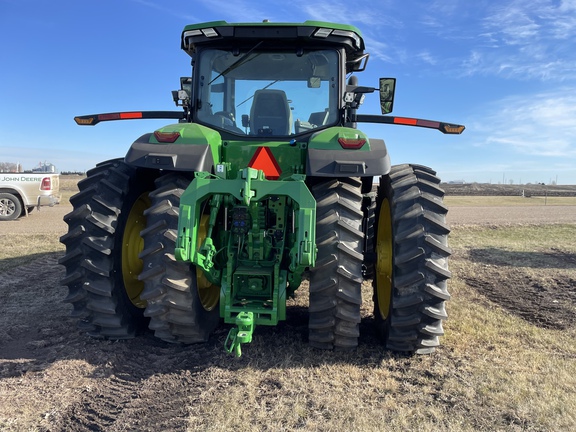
166,137
352,143
453,129
84,121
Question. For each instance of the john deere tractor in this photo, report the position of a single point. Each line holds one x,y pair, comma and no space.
262,179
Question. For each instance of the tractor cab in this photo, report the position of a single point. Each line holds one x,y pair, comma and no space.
270,80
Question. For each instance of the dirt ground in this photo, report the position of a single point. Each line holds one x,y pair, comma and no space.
64,380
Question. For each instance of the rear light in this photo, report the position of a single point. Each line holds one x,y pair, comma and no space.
210,32
166,137
190,33
325,32
417,122
352,143
207,32
406,121
120,116
46,184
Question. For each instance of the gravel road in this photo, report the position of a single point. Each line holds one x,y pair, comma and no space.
511,215
46,221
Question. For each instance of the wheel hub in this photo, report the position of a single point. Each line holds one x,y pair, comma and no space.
7,207
132,245
208,292
384,260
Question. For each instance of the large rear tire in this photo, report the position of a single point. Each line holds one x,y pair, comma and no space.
411,272
336,280
182,304
102,247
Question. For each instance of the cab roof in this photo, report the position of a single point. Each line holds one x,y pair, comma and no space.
301,34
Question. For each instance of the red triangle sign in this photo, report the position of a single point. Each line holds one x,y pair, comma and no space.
264,160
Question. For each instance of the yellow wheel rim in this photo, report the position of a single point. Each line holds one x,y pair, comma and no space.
132,245
208,292
384,259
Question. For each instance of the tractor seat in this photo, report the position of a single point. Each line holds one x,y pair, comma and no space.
270,113
318,118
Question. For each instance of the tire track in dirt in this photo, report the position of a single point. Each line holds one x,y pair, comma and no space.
99,411
126,402
24,292
140,384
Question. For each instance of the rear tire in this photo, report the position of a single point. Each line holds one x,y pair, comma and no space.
336,280
10,207
411,272
182,305
102,247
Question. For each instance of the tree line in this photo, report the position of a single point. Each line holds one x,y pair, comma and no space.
9,167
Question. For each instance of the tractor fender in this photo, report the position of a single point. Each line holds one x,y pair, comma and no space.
349,163
176,157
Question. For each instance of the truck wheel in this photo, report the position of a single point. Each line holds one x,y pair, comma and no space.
182,304
10,207
102,247
411,260
335,282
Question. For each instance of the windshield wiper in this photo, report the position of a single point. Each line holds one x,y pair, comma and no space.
238,62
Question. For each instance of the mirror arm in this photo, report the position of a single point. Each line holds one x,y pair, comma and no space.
446,128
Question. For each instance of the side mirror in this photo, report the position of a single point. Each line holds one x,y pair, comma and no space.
314,82
387,88
186,85
182,97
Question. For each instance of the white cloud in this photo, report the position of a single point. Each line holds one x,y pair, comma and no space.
540,125
364,15
426,57
513,24
527,40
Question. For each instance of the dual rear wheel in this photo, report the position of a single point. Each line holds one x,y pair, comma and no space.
408,238
121,271
122,274
411,269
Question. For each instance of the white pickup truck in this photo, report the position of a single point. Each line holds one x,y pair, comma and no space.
20,193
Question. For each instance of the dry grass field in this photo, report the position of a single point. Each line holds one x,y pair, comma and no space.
507,361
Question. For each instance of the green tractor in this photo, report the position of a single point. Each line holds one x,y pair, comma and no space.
263,179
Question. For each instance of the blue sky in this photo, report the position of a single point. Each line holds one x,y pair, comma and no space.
506,69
